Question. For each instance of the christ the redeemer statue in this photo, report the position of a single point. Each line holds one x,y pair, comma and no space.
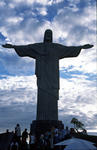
47,55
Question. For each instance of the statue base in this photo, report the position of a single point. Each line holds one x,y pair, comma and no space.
39,127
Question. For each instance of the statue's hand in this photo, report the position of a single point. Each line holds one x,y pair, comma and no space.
7,46
87,46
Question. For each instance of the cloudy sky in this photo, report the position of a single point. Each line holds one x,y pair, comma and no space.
73,23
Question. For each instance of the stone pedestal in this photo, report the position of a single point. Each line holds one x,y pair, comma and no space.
41,126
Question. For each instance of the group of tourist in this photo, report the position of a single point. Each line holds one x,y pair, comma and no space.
45,141
19,141
48,140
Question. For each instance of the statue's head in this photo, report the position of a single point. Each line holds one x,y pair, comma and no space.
48,36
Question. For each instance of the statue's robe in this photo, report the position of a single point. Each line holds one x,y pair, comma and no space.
47,57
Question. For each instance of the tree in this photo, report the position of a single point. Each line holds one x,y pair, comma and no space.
77,124
74,121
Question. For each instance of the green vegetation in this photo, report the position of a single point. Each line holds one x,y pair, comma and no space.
77,124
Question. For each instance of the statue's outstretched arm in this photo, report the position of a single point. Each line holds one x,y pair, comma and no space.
70,51
23,50
31,50
8,46
86,46
20,50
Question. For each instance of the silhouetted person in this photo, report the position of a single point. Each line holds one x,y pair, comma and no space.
7,131
25,135
18,132
47,55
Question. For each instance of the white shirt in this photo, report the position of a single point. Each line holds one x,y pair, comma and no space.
18,130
